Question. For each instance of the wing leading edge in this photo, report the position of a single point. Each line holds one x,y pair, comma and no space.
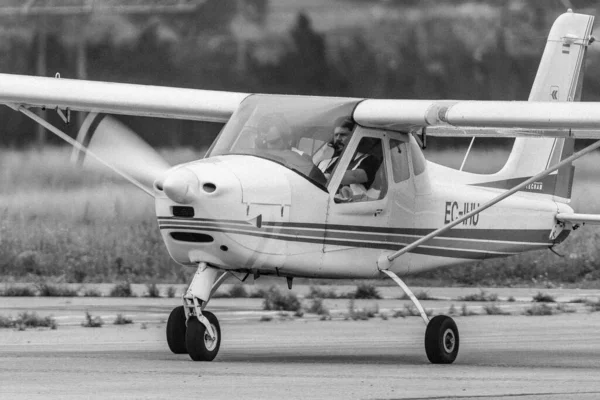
500,118
449,118
118,98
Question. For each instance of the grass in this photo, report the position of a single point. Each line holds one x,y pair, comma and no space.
83,226
238,291
92,322
52,290
317,307
539,309
122,289
420,295
90,227
410,311
466,312
18,291
593,306
543,298
366,290
171,292
493,309
565,309
275,300
91,292
122,320
481,296
360,314
321,293
28,320
6,322
152,290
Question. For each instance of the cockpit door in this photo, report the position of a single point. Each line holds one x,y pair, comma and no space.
358,214
402,192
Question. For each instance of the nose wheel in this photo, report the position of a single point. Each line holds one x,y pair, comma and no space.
193,339
199,343
176,330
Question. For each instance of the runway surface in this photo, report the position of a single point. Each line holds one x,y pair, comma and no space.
516,356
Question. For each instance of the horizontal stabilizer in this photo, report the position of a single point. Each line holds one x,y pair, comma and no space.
593,219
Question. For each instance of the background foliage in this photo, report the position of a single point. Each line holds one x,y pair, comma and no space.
77,227
461,49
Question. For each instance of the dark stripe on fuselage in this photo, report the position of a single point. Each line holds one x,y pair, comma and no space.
545,185
433,251
295,228
478,244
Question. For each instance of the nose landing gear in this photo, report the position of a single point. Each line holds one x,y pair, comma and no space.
190,329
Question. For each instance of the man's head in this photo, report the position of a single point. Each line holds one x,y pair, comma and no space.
341,133
275,139
274,133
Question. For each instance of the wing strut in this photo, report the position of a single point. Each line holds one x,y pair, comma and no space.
384,261
79,146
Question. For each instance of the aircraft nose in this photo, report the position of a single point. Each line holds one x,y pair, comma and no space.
181,186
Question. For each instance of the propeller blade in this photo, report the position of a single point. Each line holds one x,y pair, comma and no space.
116,146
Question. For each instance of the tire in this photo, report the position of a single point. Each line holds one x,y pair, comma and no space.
199,345
176,331
441,340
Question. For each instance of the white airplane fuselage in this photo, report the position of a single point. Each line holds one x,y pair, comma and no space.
252,214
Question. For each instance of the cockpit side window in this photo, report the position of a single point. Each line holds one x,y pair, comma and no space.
365,177
416,155
399,159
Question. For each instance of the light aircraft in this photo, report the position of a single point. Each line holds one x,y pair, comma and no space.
252,208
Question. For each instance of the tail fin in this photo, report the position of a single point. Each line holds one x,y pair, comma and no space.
559,78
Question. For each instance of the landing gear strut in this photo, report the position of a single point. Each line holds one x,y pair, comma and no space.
190,329
441,335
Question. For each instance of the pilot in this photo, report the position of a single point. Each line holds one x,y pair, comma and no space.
341,134
363,166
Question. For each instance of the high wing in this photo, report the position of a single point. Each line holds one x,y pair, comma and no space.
452,131
472,118
518,118
118,98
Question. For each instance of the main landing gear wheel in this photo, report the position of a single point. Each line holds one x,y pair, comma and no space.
176,331
199,345
441,340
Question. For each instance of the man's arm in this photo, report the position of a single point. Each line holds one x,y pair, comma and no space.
354,176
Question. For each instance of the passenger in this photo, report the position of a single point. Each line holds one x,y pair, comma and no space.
275,134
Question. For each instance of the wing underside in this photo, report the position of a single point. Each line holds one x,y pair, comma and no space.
440,117
118,98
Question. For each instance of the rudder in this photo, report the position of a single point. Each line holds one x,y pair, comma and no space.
559,78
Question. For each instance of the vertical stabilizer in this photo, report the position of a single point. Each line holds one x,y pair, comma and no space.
559,78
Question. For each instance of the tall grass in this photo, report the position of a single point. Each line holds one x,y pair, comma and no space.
85,226
88,226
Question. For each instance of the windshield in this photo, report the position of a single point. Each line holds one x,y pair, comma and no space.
290,130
